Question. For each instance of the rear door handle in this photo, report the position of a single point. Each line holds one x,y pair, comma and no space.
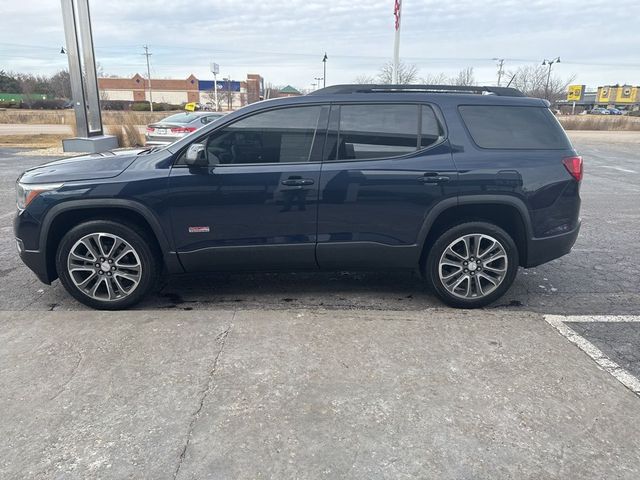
297,182
433,177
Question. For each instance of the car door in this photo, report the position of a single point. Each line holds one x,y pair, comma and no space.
254,205
386,166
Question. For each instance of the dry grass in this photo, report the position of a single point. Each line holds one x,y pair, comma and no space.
125,129
67,117
600,122
42,140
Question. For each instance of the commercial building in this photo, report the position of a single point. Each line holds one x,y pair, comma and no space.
231,93
625,97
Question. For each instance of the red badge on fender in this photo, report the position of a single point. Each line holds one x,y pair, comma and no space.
198,229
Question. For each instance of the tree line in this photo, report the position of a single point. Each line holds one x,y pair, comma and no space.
57,85
529,79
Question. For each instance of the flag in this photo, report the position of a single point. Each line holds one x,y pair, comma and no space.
396,12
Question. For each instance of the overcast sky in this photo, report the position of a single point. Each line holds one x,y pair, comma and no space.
284,40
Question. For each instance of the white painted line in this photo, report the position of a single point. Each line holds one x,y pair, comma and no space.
604,362
595,318
625,170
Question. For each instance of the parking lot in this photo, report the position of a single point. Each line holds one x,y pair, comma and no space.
336,375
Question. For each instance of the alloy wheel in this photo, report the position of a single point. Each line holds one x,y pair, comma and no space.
104,266
473,266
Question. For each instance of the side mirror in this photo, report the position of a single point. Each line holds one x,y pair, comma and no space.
195,156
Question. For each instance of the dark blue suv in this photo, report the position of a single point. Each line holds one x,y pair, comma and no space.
462,184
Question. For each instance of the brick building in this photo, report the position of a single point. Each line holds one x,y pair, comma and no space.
231,93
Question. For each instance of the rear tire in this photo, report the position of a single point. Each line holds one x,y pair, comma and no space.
472,264
107,265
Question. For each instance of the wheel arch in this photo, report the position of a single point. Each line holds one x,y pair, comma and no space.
509,213
64,216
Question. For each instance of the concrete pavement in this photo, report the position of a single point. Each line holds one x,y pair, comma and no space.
306,394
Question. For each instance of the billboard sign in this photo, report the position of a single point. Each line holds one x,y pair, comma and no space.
575,93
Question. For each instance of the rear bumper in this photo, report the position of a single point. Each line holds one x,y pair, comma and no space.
542,250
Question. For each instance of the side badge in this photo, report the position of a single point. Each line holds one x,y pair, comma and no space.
198,229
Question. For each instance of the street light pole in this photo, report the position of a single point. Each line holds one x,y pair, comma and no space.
317,79
324,70
550,63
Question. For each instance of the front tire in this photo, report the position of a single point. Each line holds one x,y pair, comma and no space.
472,264
107,265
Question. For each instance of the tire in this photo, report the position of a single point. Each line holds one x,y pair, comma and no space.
476,278
125,269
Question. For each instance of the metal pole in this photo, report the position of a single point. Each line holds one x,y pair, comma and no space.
324,70
546,88
75,70
94,119
396,45
500,69
147,54
215,89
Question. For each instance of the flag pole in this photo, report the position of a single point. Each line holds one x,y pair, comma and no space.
396,46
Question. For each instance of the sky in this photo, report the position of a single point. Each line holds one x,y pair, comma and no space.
285,40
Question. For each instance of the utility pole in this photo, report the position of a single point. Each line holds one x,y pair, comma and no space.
317,79
500,68
550,63
147,54
324,70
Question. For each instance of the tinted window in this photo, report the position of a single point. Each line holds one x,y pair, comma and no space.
377,131
513,127
284,135
431,130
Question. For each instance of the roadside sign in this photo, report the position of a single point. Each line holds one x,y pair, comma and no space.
575,93
190,107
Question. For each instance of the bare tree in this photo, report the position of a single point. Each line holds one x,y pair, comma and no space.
407,74
465,78
435,79
532,81
61,84
364,80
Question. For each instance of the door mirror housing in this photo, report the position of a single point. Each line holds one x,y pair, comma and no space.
195,156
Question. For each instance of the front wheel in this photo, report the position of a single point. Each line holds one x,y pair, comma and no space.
472,264
106,265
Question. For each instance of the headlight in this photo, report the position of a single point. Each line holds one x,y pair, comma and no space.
25,193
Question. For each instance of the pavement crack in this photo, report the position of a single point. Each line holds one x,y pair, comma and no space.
222,337
74,370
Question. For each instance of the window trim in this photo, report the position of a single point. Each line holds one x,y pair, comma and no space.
321,128
434,108
508,149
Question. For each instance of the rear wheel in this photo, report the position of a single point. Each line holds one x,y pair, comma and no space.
472,264
106,265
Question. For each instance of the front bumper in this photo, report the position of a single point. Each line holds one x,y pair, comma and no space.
37,263
543,250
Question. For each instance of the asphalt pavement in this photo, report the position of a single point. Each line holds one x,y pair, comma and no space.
335,375
598,277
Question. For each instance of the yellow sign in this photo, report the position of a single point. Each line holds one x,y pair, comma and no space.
575,93
190,107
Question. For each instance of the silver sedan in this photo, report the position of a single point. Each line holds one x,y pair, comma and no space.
176,126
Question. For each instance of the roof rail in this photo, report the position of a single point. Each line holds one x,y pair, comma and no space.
370,88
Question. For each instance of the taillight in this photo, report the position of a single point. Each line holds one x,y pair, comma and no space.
573,166
183,130
150,129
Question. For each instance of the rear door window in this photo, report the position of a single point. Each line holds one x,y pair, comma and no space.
513,127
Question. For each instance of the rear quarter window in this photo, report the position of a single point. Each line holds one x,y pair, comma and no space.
506,127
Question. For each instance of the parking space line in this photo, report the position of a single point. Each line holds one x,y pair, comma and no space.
604,362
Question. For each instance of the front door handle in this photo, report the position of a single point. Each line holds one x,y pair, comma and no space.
433,177
297,182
